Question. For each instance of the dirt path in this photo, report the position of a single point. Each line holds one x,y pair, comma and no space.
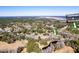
65,49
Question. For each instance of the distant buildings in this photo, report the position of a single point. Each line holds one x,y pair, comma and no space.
72,17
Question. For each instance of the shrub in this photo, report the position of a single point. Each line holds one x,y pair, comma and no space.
74,44
72,29
44,42
32,46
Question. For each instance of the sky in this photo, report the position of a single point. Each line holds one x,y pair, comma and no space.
38,10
